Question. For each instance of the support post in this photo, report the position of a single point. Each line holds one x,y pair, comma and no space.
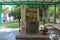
59,12
0,15
55,14
23,18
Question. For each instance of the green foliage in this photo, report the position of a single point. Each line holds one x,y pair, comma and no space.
50,10
16,12
5,9
10,25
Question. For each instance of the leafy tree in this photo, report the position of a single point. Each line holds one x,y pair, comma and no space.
16,13
50,11
5,9
43,9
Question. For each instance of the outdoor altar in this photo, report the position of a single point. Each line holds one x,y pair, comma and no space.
30,25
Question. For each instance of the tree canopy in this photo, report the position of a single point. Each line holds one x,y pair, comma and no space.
16,12
5,9
50,11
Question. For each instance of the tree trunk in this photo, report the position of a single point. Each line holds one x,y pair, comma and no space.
43,15
19,25
48,18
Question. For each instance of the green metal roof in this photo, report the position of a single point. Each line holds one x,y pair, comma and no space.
29,0
28,3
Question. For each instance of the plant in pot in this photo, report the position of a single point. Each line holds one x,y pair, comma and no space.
45,31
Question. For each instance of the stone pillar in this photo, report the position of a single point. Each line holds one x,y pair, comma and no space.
59,12
23,18
38,19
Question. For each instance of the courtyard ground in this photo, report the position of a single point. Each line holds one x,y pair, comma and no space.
8,34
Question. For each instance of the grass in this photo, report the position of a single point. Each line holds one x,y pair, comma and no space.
10,25
16,25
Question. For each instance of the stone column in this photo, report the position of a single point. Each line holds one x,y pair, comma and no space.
23,18
38,19
59,12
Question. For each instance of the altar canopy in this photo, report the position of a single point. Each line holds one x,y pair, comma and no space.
28,2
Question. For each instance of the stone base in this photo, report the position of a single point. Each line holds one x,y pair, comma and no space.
32,37
32,27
